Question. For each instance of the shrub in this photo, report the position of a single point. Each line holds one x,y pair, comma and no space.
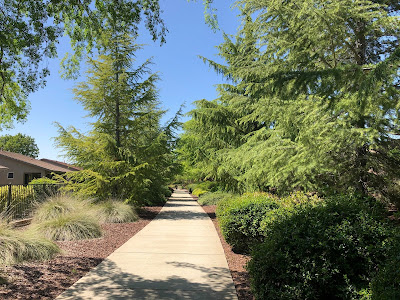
43,180
18,246
207,186
198,192
240,219
386,284
325,251
70,226
214,198
115,211
287,205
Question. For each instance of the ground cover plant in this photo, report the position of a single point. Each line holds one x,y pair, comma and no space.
64,217
213,198
19,246
115,211
70,226
46,280
324,251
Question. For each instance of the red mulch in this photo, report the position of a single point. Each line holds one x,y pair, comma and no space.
236,262
49,279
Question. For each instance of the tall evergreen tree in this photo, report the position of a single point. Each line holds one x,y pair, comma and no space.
127,154
318,81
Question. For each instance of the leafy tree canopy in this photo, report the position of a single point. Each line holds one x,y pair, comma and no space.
30,30
312,99
19,143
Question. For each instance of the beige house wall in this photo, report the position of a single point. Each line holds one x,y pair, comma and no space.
19,169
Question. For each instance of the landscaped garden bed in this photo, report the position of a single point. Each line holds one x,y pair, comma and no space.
47,280
236,262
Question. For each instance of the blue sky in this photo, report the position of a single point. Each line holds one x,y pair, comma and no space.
184,77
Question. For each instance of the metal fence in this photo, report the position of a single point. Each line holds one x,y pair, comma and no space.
18,201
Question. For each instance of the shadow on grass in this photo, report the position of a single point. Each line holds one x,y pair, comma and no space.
108,281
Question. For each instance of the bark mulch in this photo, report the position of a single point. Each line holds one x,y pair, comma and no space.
49,279
236,262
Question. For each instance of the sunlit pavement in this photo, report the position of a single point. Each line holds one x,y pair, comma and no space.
178,255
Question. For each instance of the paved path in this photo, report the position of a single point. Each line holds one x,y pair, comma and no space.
178,255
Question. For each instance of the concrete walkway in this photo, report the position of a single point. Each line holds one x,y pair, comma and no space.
178,255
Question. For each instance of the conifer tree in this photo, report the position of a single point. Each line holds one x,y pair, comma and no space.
318,81
127,154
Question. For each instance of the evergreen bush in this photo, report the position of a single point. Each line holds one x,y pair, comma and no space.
386,284
330,250
240,219
214,198
199,192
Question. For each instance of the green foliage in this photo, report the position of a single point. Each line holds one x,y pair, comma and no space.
311,100
27,38
213,198
33,28
240,219
199,192
64,217
386,284
19,246
70,226
19,143
208,186
43,180
127,154
58,205
115,211
329,250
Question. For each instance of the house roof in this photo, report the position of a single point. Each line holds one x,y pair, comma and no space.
35,162
62,164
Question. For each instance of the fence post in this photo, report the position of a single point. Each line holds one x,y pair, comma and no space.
8,208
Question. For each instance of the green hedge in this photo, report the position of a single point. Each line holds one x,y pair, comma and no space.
386,285
240,219
329,250
214,198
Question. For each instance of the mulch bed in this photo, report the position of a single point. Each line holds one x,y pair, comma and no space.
49,279
236,262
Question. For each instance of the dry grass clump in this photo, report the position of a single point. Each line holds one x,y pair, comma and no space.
63,217
70,226
115,211
58,205
18,246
